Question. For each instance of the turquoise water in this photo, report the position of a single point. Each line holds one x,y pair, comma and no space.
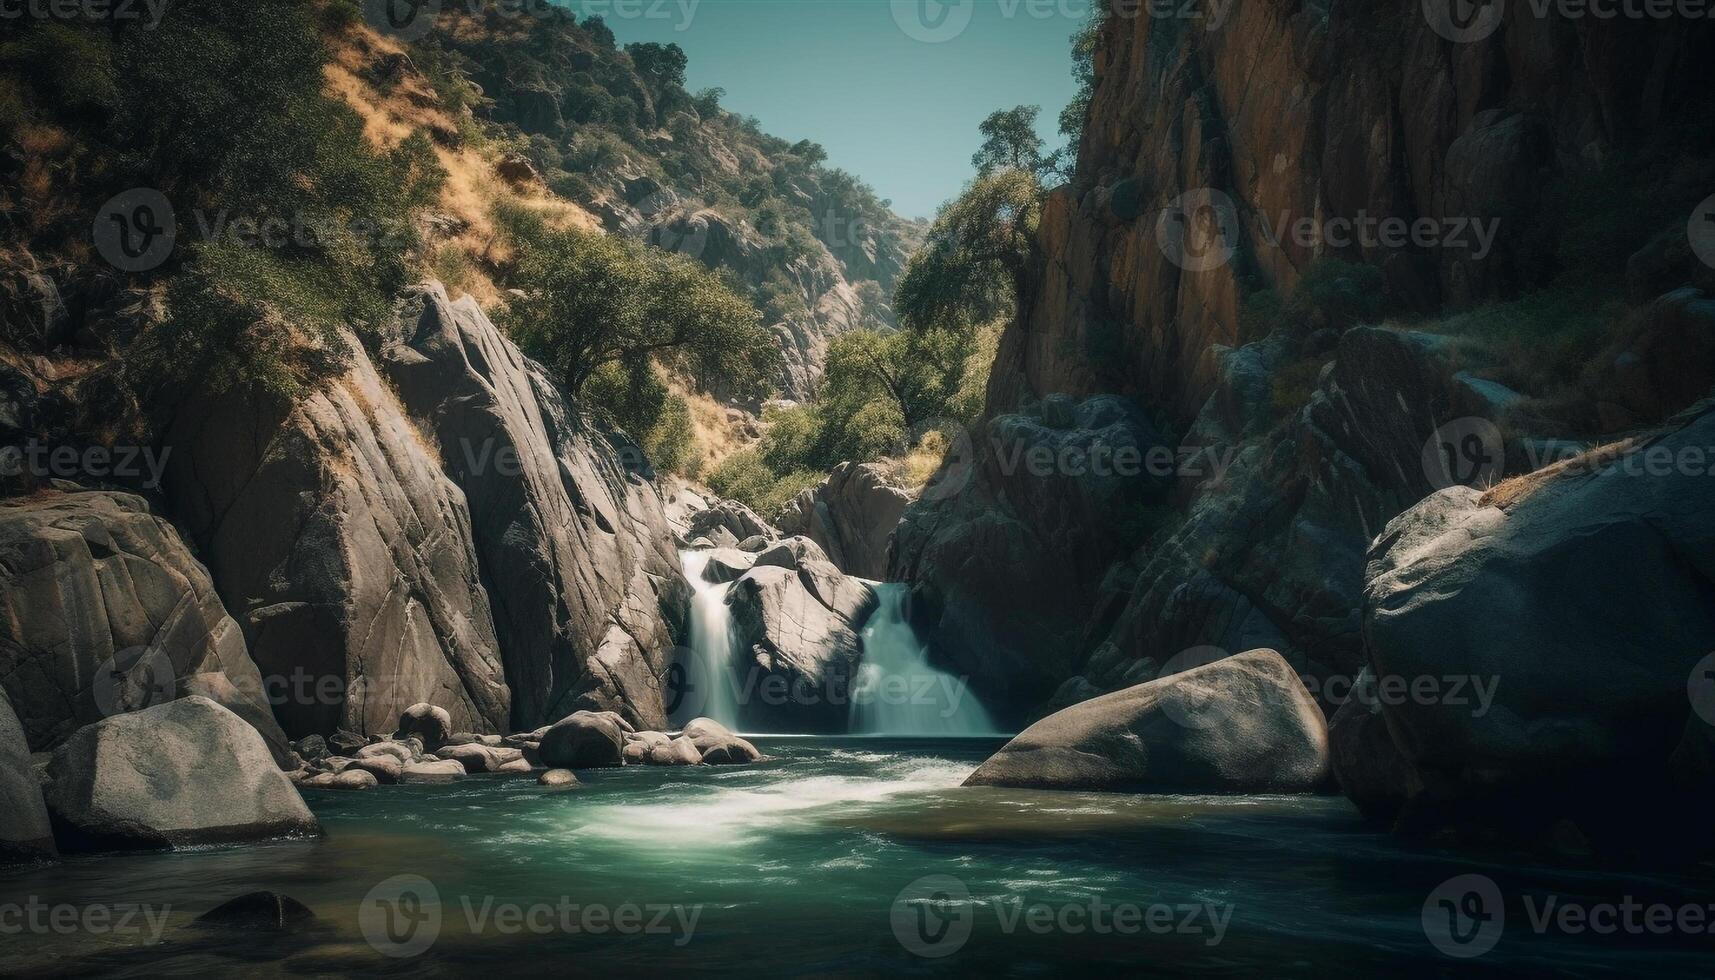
796,867
898,692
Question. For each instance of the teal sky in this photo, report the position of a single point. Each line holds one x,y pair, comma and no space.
899,112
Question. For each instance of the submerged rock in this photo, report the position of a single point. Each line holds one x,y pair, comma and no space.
1244,724
558,779
176,775
262,911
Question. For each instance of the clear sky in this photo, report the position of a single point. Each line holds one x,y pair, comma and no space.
871,80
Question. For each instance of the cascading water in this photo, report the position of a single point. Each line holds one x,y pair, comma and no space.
897,691
701,684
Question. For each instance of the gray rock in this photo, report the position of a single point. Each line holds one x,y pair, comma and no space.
429,724
585,740
558,779
851,516
798,617
738,521
1517,589
342,549
1366,762
181,774
482,758
717,745
571,536
441,771
25,834
103,610
1243,724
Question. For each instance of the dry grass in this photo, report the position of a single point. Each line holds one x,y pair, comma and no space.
472,189
717,437
1509,492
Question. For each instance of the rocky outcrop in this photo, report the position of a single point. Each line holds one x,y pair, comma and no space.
717,745
1009,544
851,515
181,774
796,620
1298,440
571,538
24,831
343,551
1242,724
1201,145
104,610
1517,587
726,524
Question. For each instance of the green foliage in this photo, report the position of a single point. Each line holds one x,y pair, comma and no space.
632,397
662,66
1084,42
596,299
1293,385
970,263
1009,141
744,477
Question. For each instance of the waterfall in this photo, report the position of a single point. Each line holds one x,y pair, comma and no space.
897,691
700,684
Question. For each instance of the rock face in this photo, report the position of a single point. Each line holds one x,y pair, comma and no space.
103,610
1243,724
570,533
180,774
1007,548
851,515
343,551
717,745
1199,147
1517,587
24,831
726,523
798,617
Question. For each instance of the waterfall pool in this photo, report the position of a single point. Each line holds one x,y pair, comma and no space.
837,856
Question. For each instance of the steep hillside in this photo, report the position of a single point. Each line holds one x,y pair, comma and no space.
615,131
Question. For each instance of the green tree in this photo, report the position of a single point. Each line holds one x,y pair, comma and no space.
598,299
1009,141
661,65
970,265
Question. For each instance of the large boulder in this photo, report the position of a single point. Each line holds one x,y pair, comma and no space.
730,522
177,775
796,621
1367,764
343,551
585,740
1580,595
103,610
24,831
427,723
851,515
570,531
1243,724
